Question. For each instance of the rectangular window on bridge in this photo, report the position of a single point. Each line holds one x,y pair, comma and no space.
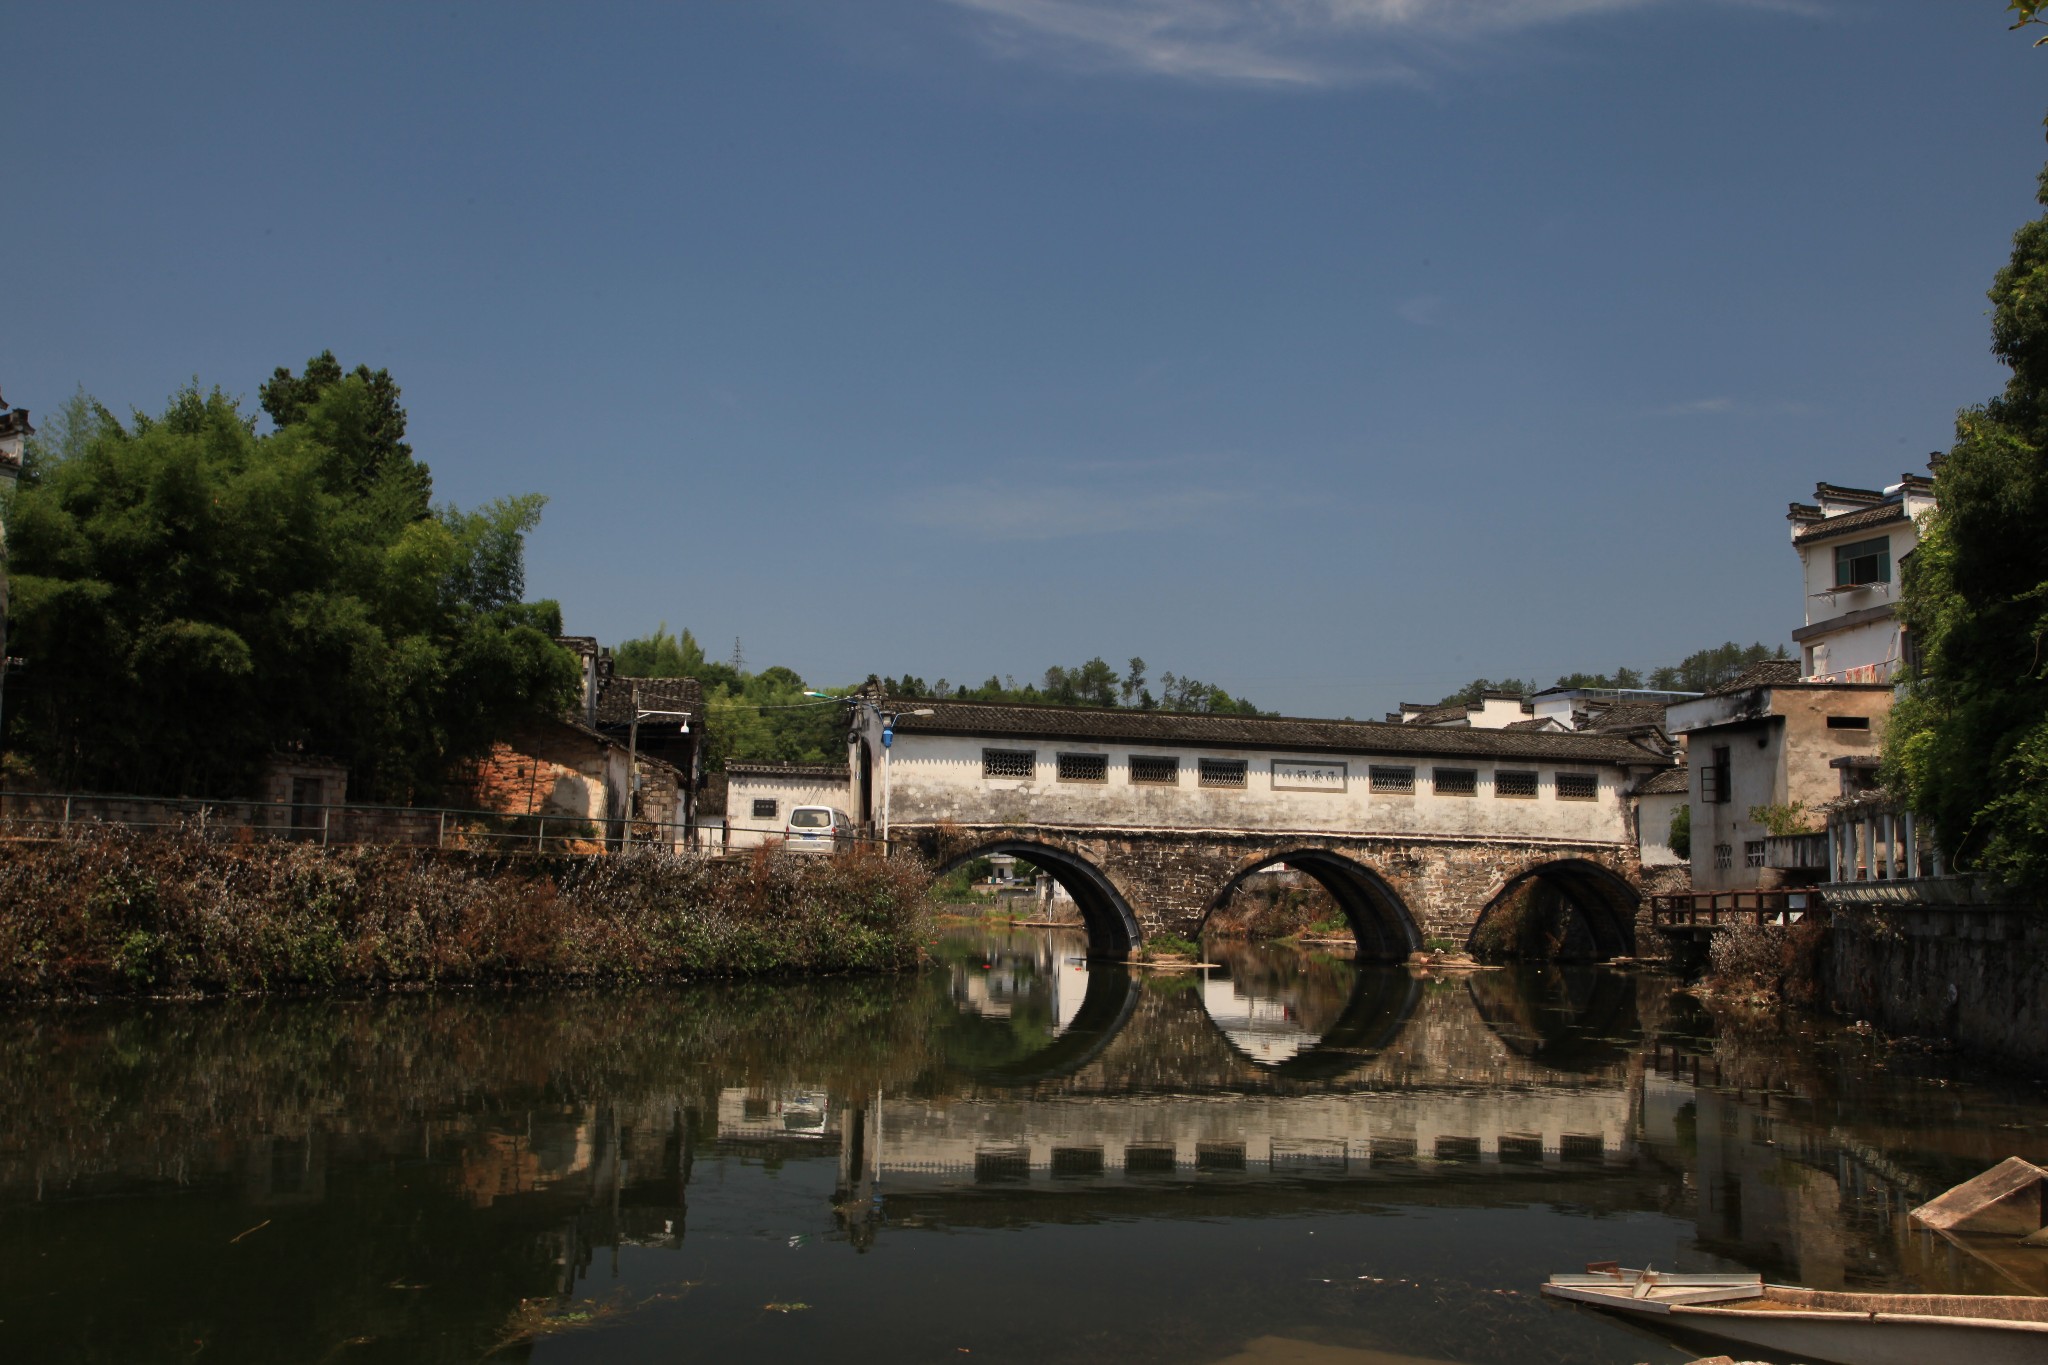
1154,770
1084,767
1454,781
1578,787
1222,772
1518,784
1009,763
766,810
1384,778
1753,853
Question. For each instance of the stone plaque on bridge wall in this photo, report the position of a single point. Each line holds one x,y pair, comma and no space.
1307,775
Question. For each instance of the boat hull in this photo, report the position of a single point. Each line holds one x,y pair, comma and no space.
1816,1326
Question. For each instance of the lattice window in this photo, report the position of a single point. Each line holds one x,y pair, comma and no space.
1222,772
1454,781
1009,763
1724,856
1510,783
1155,770
1084,767
1390,779
1752,853
1578,787
767,810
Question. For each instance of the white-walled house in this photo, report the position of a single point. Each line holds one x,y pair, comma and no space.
760,796
1659,797
1850,543
1767,739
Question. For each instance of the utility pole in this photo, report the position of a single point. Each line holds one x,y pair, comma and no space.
14,433
632,763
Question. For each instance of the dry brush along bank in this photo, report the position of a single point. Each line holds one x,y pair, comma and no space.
111,911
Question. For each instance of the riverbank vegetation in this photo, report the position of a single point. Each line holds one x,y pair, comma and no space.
112,911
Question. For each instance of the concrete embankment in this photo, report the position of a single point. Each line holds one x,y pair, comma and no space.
111,911
1973,974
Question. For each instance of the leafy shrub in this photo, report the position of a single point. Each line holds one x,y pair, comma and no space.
112,910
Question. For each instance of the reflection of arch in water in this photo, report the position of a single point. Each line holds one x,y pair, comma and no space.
1569,909
1572,1018
1381,1000
1106,1007
1379,919
1105,913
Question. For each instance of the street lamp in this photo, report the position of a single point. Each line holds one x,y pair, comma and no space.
633,756
888,720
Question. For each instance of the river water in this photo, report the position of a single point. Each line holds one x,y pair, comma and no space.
1017,1156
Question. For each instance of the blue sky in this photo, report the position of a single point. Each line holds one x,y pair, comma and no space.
1335,351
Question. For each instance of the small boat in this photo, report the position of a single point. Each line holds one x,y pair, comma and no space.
1818,1325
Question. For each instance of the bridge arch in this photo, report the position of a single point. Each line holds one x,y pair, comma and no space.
1379,918
1558,909
1105,911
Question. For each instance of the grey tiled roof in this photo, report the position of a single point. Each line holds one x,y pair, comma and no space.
615,699
1670,782
1769,673
1008,721
807,771
1451,713
1880,515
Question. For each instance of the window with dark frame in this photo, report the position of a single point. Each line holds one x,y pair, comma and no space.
1515,783
1714,778
1454,781
1155,770
1866,561
767,810
1384,777
1009,763
1752,853
1848,722
1083,767
1222,772
1578,787
1724,856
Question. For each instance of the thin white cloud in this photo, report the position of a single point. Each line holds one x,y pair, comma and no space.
1735,407
1424,310
1283,43
1008,511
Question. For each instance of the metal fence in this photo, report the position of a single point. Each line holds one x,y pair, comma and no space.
57,815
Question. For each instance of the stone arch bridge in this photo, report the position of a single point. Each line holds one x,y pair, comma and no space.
1151,820
1396,891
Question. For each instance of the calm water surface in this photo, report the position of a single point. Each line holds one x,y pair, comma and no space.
1017,1157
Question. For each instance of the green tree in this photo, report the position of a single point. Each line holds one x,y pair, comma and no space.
1968,743
365,428
1681,831
1478,687
1706,669
192,597
660,655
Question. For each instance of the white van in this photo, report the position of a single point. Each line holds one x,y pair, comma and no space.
817,829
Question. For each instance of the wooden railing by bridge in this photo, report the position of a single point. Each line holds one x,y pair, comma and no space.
1706,911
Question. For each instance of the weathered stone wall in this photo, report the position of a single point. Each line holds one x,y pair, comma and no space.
1171,880
1972,975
